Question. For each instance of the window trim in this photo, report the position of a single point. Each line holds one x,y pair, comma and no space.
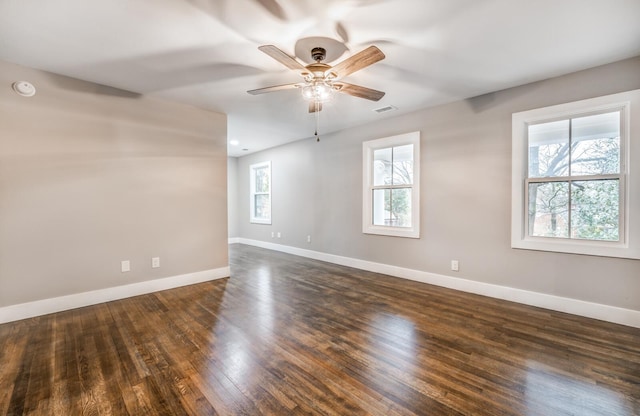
368,148
628,245
252,193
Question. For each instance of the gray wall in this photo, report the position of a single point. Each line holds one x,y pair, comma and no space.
465,194
232,194
90,176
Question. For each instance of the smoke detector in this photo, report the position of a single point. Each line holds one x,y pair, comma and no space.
24,88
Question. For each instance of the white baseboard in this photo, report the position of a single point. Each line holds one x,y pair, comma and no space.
607,313
234,240
78,300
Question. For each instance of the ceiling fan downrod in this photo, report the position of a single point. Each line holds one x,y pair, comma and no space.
318,54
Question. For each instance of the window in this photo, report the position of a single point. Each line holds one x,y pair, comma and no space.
260,203
571,181
391,186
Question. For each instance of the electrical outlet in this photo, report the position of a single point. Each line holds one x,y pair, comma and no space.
125,266
279,235
155,262
454,265
273,235
308,239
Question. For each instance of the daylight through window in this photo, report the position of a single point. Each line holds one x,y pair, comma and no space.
574,178
260,197
391,190
571,178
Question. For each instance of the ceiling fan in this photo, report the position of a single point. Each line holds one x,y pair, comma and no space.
320,79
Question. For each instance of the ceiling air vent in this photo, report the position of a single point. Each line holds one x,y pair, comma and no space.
385,109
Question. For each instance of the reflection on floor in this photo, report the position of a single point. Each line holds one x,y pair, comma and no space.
288,335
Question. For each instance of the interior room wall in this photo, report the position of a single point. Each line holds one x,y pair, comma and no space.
91,176
465,194
293,192
232,196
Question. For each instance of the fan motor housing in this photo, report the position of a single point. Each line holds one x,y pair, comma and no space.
318,54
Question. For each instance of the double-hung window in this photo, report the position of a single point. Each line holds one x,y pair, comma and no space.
391,186
260,194
571,178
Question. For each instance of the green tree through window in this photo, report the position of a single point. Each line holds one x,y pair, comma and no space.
574,178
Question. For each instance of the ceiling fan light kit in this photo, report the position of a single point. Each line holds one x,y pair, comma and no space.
318,91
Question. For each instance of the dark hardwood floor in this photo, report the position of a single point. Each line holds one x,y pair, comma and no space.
287,335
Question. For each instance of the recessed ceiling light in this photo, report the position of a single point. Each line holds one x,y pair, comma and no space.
234,142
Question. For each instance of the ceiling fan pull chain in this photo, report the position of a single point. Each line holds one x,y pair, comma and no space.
317,120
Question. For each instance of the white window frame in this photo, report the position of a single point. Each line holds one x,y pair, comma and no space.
252,192
368,149
628,245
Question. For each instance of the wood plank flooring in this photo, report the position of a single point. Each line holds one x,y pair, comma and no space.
290,336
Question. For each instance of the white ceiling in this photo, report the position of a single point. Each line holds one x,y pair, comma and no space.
204,52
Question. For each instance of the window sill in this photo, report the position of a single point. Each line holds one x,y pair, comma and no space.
258,221
588,248
392,232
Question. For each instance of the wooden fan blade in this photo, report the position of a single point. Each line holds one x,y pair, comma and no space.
358,91
356,62
273,88
282,57
313,106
